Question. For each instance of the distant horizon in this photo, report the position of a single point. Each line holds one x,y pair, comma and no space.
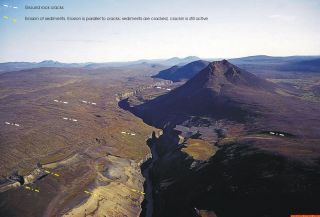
160,59
233,29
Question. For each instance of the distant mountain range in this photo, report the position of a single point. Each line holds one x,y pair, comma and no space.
179,68
263,63
15,66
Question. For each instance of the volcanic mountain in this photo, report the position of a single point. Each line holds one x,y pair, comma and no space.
178,73
218,91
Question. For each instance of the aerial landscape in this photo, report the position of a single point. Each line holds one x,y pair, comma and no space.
213,118
113,141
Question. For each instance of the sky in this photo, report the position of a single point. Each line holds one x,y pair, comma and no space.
234,29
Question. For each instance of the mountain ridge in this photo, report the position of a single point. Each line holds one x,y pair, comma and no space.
178,73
